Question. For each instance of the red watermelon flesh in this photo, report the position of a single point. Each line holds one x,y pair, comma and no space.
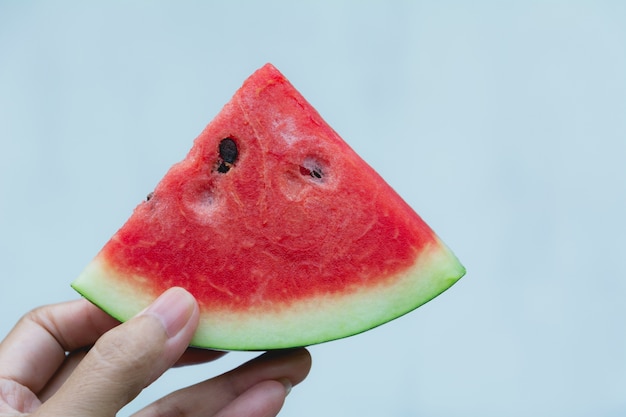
284,235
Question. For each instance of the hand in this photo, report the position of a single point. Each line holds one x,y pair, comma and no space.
73,360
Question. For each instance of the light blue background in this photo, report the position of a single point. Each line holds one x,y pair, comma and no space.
502,123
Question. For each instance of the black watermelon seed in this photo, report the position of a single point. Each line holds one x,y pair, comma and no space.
228,150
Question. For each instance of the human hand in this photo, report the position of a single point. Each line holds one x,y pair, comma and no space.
72,359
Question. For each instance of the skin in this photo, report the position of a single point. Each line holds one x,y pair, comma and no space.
72,359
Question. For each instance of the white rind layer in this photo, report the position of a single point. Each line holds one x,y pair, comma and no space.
319,319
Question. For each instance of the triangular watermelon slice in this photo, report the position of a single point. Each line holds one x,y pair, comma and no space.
284,235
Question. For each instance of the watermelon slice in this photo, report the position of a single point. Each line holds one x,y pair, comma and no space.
284,235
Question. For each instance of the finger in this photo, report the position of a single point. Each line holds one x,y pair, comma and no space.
65,370
264,399
36,347
16,399
194,356
128,358
213,395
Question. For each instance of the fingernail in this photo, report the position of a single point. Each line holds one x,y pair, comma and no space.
287,384
174,308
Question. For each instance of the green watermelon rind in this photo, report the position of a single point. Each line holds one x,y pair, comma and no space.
306,322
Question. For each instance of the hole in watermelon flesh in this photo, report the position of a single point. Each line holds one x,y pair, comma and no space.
223,168
312,168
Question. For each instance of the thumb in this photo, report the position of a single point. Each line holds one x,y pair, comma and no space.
128,358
